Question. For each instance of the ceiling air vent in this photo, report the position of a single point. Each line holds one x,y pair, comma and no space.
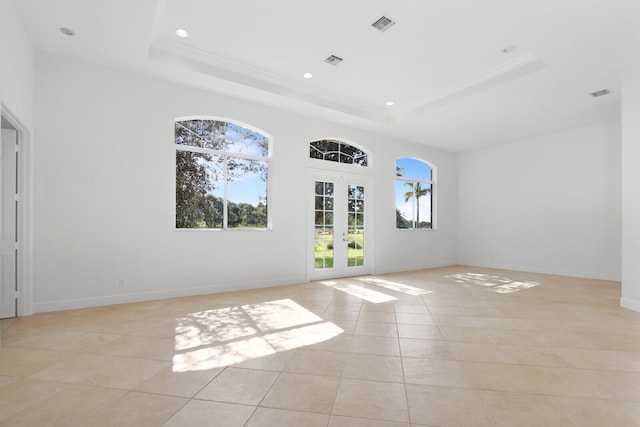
333,60
383,23
600,93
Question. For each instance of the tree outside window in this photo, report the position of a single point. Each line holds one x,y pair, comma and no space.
221,175
337,151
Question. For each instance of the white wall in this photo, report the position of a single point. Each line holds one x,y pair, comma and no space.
630,187
402,250
550,204
104,201
16,66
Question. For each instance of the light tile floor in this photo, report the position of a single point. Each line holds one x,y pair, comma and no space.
456,346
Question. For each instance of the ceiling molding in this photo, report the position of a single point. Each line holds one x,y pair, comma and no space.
197,60
170,52
518,67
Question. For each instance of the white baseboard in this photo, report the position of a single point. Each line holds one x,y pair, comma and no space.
569,273
402,268
630,304
72,304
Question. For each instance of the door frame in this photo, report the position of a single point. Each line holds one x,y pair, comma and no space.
9,221
367,180
24,256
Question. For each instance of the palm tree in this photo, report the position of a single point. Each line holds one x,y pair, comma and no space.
416,191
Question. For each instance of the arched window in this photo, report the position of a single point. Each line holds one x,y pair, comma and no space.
337,151
414,194
221,175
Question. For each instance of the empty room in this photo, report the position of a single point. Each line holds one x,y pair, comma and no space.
335,214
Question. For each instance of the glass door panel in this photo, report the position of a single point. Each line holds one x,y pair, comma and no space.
355,214
324,229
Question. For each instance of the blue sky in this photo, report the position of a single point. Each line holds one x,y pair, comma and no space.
413,168
250,187
247,190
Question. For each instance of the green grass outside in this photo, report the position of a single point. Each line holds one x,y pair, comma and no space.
324,252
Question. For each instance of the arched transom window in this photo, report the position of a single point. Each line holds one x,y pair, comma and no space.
221,175
414,194
337,151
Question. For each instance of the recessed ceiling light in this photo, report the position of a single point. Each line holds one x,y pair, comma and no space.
389,103
307,75
600,93
180,32
67,31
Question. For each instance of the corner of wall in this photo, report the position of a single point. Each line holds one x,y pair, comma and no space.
630,304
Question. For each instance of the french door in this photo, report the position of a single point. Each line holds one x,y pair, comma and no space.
339,231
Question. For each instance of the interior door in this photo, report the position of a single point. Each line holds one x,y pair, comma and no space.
8,162
339,234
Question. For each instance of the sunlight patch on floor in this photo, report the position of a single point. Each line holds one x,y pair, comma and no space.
221,337
497,284
359,291
303,336
395,286
210,326
279,314
218,356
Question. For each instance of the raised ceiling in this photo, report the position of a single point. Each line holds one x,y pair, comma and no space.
462,73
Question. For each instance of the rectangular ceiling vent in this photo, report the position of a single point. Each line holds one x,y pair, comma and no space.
333,60
600,93
383,23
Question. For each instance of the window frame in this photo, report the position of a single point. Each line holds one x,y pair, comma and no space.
225,155
432,182
340,141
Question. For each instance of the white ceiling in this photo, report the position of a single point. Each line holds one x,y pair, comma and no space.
442,63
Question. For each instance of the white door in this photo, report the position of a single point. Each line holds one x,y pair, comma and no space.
8,204
339,231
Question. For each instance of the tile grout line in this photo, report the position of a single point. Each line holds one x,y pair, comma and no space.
335,401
